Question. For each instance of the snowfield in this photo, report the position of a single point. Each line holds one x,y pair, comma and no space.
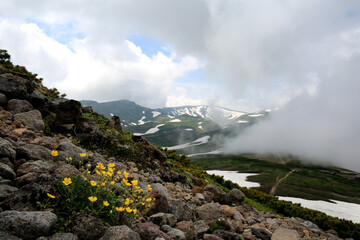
198,141
150,131
239,178
175,120
155,113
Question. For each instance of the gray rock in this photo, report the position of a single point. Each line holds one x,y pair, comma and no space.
68,111
60,236
7,236
38,99
149,231
161,203
87,109
235,196
200,228
187,227
33,152
18,106
219,194
6,191
176,234
6,149
38,166
89,227
27,225
211,211
166,228
238,216
285,234
3,100
5,116
211,237
226,235
67,149
120,233
13,86
161,188
31,119
163,218
261,233
6,172
181,210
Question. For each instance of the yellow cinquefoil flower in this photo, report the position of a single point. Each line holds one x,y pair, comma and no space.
103,184
134,182
111,169
119,209
134,211
67,181
93,183
50,196
106,203
129,210
111,165
100,165
82,154
148,199
127,201
54,153
118,173
112,183
92,198
126,174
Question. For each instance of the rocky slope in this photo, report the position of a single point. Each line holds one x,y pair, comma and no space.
184,205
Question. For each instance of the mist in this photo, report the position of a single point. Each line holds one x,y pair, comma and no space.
321,126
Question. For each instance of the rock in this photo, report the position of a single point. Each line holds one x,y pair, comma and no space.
6,149
18,106
89,227
7,236
226,235
38,99
31,119
285,234
149,231
238,216
261,233
33,152
235,196
166,228
6,172
38,166
60,236
87,109
115,123
27,225
26,179
211,211
161,188
5,115
68,112
67,149
18,131
163,218
120,233
13,86
161,203
219,194
3,100
211,237
200,228
208,196
196,190
47,142
229,210
181,210
64,170
176,234
6,191
187,227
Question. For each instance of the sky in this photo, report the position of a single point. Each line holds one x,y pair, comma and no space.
300,55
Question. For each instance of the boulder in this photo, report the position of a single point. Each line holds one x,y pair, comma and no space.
68,112
6,172
120,233
211,211
64,170
149,231
181,210
31,119
219,194
187,227
27,225
87,109
6,149
89,227
67,149
163,218
115,123
60,236
13,86
8,236
285,234
226,235
6,191
261,233
200,228
38,99
38,166
161,203
18,106
5,115
176,234
3,100
211,237
235,196
33,152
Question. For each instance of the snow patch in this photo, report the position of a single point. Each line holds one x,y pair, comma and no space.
256,115
176,120
111,114
189,129
201,127
268,110
169,116
150,131
155,113
239,178
198,141
141,121
218,151
242,121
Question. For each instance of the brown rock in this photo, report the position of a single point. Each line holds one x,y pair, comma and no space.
32,120
64,170
197,190
187,227
149,231
19,131
89,227
229,210
26,179
285,234
211,211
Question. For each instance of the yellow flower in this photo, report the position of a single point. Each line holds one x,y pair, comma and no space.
67,181
93,183
111,165
92,198
129,210
106,203
112,183
103,173
118,173
127,201
148,199
111,169
100,165
70,158
50,196
82,154
126,174
119,209
54,153
85,179
88,172
134,210
89,165
142,203
134,182
109,174
98,172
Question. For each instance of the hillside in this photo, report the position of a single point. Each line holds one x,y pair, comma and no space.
68,172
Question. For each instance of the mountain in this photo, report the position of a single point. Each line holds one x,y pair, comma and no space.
183,126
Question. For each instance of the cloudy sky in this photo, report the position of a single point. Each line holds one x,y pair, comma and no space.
302,55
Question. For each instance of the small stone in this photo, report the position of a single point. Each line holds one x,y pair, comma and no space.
176,234
187,227
6,149
119,233
3,100
235,196
89,227
211,237
285,234
229,210
261,233
6,172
